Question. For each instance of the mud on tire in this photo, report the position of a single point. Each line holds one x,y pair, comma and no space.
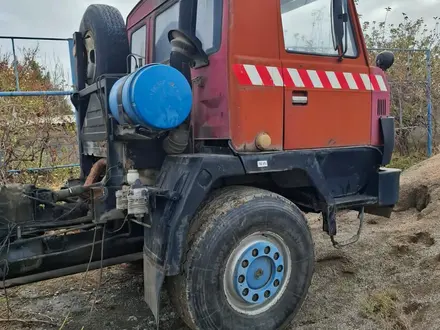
231,216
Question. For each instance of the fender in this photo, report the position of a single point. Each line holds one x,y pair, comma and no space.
333,172
191,177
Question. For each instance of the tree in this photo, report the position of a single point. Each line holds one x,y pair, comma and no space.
409,76
32,127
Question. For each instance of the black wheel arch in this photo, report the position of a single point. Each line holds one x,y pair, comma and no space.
195,176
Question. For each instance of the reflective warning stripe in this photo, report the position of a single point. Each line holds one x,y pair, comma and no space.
261,75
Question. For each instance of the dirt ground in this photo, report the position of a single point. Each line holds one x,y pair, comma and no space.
390,279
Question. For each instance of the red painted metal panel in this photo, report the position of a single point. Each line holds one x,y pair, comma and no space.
376,138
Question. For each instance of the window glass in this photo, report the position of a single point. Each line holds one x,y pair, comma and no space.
138,44
165,21
307,28
205,23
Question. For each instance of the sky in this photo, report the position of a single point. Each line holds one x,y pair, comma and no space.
60,18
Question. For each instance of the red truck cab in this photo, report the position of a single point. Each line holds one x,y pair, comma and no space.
272,70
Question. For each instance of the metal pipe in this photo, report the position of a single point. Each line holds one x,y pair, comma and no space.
21,241
15,64
17,91
429,100
49,225
80,247
98,169
71,45
397,50
61,195
34,38
34,93
70,270
37,169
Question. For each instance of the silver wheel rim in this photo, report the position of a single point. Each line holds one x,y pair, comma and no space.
261,277
89,43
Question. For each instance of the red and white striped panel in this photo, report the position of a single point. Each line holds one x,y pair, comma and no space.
260,75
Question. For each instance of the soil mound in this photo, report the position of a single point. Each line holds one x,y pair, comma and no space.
420,186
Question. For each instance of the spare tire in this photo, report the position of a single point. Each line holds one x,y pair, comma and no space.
105,40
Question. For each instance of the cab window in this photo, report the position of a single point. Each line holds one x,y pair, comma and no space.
138,47
208,27
208,24
307,28
165,21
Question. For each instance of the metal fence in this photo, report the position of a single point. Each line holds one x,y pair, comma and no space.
19,91
411,99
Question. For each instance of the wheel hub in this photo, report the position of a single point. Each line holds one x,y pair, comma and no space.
257,273
89,43
258,270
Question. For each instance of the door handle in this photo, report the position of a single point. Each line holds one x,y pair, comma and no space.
300,97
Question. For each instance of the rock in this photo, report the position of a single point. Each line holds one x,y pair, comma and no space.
132,319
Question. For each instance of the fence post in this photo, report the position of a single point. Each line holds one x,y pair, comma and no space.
17,84
71,45
429,99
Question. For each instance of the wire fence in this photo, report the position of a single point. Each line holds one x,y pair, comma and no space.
410,79
411,102
37,130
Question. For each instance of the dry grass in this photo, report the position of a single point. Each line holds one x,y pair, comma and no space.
385,307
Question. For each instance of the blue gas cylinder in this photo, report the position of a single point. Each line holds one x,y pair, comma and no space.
156,96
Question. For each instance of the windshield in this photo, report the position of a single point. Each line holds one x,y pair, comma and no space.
307,28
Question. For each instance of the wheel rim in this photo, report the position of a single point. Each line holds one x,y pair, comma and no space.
257,273
89,43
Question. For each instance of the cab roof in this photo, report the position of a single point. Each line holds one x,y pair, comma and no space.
141,10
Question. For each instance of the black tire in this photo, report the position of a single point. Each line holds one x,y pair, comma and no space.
107,27
227,217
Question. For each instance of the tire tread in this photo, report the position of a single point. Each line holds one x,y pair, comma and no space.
219,203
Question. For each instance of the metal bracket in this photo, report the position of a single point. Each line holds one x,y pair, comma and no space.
355,238
155,193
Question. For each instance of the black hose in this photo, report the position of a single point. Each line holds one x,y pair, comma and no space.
74,191
36,238
50,225
54,254
69,270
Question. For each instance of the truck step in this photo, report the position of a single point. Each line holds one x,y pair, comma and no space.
354,200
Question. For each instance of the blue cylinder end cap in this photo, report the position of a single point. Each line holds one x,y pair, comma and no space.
156,96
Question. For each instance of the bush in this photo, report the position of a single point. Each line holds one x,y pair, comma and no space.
34,131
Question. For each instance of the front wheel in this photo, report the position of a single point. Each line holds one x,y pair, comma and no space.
249,264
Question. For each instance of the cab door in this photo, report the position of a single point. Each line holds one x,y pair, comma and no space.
327,100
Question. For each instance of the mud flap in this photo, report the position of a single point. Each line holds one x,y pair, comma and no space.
153,280
381,211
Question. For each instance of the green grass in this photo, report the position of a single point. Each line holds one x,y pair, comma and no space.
404,162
